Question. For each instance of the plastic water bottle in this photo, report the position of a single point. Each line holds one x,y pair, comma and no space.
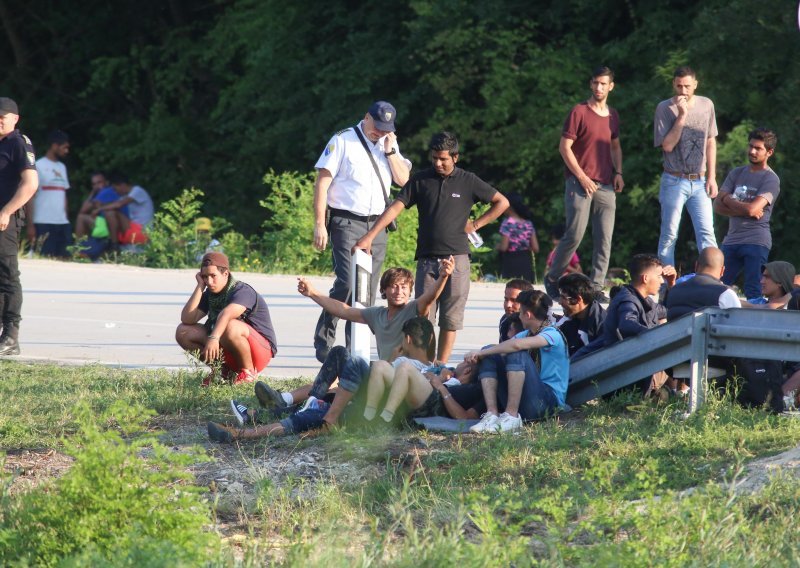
475,239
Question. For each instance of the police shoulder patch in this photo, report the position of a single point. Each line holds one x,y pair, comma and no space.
31,158
27,140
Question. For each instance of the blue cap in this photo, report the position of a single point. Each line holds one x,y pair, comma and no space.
383,114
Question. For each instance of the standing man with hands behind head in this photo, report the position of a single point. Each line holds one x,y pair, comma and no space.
354,174
444,196
685,128
18,183
592,154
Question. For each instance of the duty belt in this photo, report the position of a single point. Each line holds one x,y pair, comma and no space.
353,216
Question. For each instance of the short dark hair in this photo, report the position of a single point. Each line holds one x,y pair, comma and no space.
767,136
420,330
641,263
603,71
444,141
577,286
57,137
684,71
517,203
519,284
558,231
115,178
393,275
536,302
99,173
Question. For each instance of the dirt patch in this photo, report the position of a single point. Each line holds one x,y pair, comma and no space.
30,468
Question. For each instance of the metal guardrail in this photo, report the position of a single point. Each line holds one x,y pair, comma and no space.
734,332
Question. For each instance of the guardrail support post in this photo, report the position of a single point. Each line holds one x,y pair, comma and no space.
699,364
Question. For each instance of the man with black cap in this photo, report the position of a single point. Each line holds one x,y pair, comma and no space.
18,183
354,174
238,329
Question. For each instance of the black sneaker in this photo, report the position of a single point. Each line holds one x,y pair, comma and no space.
240,413
9,346
268,397
219,433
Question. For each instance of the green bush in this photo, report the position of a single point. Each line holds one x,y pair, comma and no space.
114,505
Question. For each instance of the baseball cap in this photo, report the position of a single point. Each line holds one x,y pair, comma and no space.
7,105
217,259
383,114
781,272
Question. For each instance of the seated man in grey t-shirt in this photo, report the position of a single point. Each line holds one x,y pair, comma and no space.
386,322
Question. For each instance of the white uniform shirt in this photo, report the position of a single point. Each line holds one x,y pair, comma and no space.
50,201
355,186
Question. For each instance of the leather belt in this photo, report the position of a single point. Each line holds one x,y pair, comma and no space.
691,177
353,216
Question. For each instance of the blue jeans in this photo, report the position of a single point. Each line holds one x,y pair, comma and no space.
676,192
344,234
537,399
351,372
749,258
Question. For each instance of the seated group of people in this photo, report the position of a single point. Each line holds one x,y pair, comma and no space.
524,377
116,213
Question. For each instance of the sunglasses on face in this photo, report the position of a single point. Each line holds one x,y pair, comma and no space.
568,299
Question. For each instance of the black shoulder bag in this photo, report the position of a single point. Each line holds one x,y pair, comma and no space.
393,225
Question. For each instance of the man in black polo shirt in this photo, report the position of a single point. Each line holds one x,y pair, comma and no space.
18,183
444,196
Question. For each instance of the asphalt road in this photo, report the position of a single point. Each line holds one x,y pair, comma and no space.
126,316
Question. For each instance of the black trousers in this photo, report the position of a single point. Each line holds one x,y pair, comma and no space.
10,287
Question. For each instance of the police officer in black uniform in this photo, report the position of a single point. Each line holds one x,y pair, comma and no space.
18,183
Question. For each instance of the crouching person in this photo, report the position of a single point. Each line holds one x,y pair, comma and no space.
238,330
529,387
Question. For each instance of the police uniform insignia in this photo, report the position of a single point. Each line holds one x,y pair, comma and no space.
342,131
387,117
27,140
330,149
31,158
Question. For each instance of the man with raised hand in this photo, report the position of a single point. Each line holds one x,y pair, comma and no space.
354,174
685,128
238,329
386,322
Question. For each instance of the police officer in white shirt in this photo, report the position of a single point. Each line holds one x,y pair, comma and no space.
349,193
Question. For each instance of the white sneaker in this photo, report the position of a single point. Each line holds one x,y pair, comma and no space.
488,423
508,423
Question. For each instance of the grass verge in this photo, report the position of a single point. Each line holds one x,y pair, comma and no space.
617,483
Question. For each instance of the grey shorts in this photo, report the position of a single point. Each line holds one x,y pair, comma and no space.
453,300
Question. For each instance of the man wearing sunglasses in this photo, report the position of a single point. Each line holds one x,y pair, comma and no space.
583,314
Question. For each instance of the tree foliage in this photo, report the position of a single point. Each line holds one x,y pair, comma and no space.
213,94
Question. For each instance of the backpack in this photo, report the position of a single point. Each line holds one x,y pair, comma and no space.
762,380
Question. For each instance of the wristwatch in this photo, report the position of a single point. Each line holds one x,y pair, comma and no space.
391,152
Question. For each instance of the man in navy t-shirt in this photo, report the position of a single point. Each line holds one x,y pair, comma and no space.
238,329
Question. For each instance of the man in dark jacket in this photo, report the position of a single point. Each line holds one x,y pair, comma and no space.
633,309
704,289
583,315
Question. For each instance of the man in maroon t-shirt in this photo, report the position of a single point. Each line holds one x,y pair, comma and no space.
593,158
